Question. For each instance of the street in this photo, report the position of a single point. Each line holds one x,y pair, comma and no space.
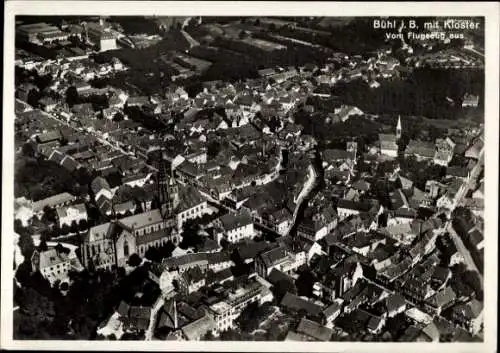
469,262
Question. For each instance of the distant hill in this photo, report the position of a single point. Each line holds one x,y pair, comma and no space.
327,22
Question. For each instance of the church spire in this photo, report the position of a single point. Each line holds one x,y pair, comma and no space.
398,128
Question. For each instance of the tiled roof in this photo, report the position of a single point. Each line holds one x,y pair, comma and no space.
199,327
315,330
51,258
142,220
274,256
296,303
62,211
231,221
52,201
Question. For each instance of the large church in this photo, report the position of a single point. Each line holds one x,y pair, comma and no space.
113,242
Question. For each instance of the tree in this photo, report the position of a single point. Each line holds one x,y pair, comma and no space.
83,225
190,236
49,214
26,245
74,227
209,336
471,278
33,97
304,283
134,260
65,229
35,315
43,245
242,34
29,150
282,287
118,117
153,254
72,96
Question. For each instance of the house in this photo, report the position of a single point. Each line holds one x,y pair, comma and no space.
457,172
226,311
395,305
475,239
53,264
318,225
69,214
444,151
332,311
375,324
191,205
138,318
55,201
276,277
470,100
195,330
314,330
282,220
442,300
469,315
191,280
137,101
100,186
246,252
49,137
48,104
236,227
388,145
277,258
297,304
420,149
83,111
479,192
346,208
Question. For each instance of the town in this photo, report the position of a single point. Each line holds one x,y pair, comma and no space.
246,179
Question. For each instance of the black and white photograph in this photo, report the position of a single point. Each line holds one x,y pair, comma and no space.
224,176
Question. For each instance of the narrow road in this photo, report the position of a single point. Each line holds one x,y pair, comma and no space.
469,262
148,335
192,42
306,190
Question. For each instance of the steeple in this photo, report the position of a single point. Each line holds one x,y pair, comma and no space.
166,188
398,128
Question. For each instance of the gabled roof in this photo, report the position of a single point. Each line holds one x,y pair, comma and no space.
141,219
314,330
443,298
199,327
296,303
274,256
394,302
231,221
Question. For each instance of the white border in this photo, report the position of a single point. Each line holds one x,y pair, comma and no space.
245,8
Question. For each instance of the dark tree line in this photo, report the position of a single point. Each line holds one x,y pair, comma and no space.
423,94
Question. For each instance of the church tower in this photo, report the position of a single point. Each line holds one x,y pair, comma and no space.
398,128
167,192
352,147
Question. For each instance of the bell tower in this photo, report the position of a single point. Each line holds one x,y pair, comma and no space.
167,197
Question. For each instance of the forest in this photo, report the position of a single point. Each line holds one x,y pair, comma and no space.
423,94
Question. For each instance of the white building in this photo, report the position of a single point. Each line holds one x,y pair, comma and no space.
191,206
53,265
69,214
225,312
236,227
